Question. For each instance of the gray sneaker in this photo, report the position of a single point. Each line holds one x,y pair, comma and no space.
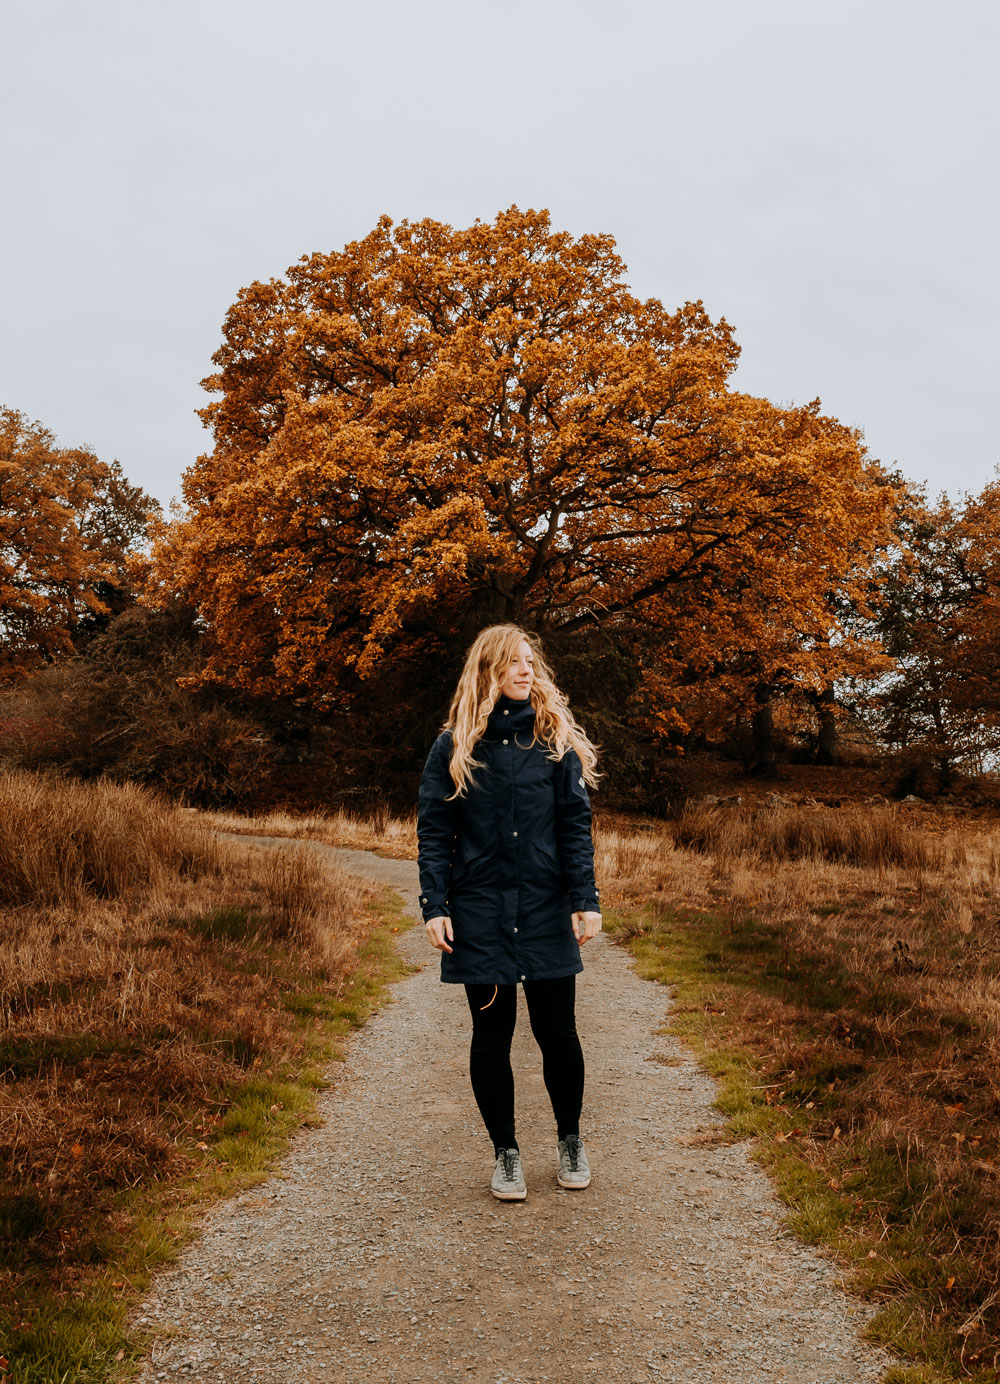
508,1179
574,1170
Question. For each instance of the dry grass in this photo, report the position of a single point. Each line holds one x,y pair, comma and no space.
855,835
391,835
149,974
840,971
64,842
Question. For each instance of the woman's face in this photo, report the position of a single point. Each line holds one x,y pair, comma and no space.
520,673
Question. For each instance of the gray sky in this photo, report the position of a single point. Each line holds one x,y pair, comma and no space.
820,172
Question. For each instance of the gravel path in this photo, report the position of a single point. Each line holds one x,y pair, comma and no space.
376,1252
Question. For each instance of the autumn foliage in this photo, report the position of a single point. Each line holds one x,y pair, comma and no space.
938,618
68,522
433,428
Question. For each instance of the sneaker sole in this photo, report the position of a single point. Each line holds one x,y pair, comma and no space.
573,1186
510,1196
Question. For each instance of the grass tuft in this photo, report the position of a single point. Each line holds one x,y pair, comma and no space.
857,835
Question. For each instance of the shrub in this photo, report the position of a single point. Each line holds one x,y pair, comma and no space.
119,709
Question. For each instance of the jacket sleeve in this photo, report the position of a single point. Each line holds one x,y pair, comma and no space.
436,824
573,832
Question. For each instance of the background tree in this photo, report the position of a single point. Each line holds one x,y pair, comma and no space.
68,523
434,428
971,657
936,617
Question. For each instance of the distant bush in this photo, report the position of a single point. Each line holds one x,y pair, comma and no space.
118,710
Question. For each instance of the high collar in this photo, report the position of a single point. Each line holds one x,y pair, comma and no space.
510,716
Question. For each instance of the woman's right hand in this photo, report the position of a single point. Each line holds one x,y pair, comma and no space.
436,930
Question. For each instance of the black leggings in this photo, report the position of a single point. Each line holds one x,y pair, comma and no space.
551,1005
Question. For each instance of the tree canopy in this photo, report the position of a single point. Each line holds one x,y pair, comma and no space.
68,523
432,428
938,617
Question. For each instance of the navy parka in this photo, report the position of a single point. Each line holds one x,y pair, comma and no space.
511,860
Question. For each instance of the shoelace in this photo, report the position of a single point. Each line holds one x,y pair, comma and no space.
573,1149
508,1156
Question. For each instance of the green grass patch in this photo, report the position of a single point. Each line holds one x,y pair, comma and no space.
814,1060
80,1331
230,923
26,1057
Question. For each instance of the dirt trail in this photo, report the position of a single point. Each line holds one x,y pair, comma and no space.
376,1252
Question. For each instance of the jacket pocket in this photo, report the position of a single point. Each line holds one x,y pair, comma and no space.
468,862
549,863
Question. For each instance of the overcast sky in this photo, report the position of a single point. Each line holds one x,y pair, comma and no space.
820,172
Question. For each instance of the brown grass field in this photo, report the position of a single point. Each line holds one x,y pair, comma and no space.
165,999
836,967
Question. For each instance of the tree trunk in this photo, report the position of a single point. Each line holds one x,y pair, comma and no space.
829,749
764,762
943,749
502,598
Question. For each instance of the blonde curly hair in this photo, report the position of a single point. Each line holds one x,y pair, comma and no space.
490,655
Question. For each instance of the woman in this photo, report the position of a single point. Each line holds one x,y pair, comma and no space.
507,881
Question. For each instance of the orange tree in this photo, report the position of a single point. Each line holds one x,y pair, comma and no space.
68,523
434,428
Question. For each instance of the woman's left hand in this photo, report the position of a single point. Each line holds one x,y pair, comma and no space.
585,926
